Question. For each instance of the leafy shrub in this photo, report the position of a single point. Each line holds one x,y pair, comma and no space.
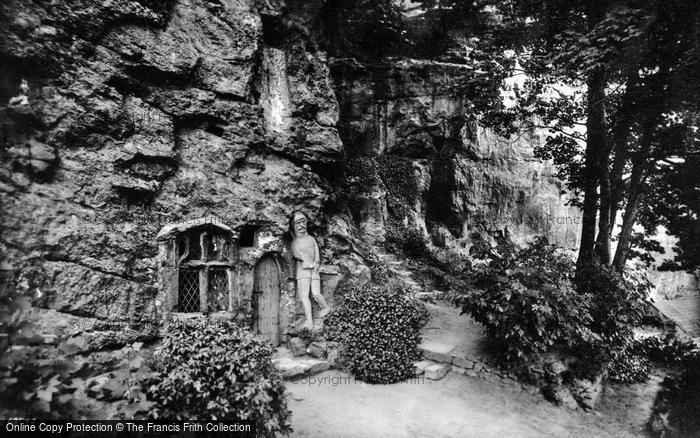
402,188
618,304
380,270
217,370
626,367
406,241
636,277
204,370
480,248
529,322
394,174
631,364
379,330
360,176
443,278
667,349
527,303
530,302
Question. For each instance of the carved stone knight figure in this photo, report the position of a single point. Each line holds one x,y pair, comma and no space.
308,263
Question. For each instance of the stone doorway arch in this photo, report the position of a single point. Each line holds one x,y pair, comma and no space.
267,288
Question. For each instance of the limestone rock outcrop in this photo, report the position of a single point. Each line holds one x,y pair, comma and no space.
128,115
467,178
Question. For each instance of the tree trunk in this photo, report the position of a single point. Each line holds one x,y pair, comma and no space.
655,104
616,185
639,174
602,245
629,218
618,145
595,144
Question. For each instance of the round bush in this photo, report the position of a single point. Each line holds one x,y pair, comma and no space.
379,330
218,370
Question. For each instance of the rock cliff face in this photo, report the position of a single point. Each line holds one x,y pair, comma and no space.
671,284
125,116
467,179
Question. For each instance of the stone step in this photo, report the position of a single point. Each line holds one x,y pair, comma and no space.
437,371
422,365
437,351
282,352
291,367
460,362
449,353
432,370
463,371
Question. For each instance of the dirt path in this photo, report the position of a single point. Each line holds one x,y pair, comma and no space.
456,406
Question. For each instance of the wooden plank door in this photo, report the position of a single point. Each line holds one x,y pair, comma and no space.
267,287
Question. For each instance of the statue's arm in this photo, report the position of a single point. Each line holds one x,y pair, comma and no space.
296,252
317,253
